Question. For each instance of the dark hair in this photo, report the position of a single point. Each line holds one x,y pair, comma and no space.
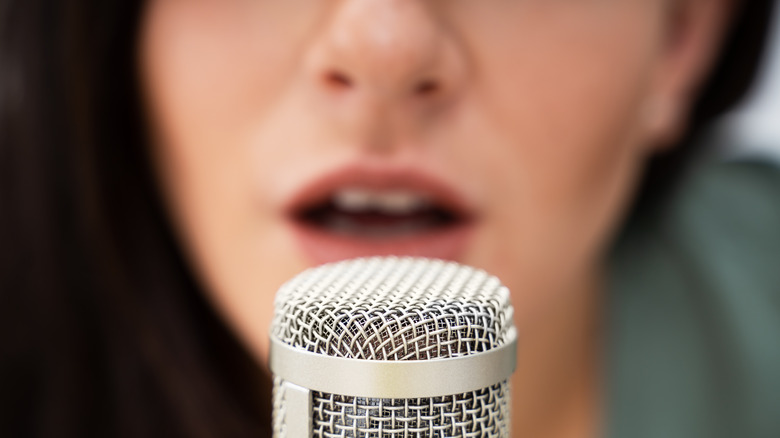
104,330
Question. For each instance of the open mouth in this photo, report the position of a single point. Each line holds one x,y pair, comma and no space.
379,213
360,213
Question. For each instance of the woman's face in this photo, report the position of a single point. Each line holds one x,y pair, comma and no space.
506,135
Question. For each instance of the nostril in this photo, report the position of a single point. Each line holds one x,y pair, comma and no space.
426,87
338,80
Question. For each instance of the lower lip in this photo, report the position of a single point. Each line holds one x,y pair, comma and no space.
321,246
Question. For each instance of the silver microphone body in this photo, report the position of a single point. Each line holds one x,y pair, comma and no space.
392,348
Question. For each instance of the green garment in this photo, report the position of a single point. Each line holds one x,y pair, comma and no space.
694,318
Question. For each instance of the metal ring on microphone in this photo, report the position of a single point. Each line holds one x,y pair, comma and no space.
394,379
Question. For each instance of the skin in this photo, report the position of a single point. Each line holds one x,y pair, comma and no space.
544,115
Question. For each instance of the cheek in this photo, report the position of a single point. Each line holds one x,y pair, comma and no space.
561,109
211,69
211,66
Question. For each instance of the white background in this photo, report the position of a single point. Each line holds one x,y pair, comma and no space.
754,128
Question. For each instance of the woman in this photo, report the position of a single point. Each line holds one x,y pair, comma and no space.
166,166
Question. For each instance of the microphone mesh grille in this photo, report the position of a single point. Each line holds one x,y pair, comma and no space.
481,413
398,309
393,309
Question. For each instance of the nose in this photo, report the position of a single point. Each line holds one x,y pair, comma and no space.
393,50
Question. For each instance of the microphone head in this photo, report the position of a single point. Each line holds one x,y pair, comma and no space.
389,312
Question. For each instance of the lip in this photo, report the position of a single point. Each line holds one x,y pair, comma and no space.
322,246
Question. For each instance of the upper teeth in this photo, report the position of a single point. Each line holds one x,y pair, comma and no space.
356,200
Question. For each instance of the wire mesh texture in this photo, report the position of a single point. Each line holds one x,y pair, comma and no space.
398,309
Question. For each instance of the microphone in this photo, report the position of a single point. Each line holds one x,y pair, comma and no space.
392,348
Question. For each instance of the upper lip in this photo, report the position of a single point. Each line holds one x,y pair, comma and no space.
320,189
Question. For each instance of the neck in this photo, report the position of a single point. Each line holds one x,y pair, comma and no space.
556,388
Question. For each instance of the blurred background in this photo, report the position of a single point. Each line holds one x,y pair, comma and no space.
754,127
